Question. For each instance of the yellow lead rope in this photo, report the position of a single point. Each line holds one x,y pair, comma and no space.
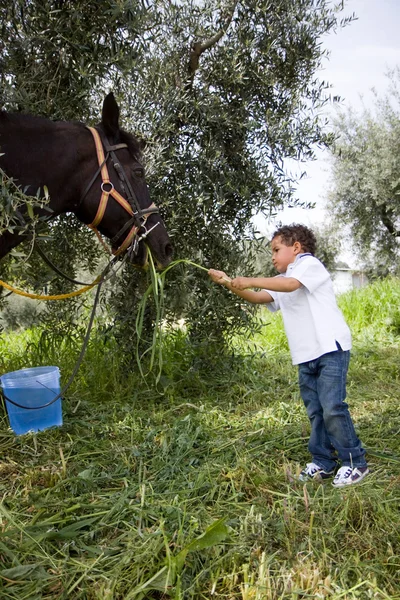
59,297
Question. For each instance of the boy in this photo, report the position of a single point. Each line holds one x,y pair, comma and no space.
319,341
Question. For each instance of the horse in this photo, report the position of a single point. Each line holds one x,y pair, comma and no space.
94,172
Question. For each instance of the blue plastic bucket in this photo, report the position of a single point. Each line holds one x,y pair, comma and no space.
32,389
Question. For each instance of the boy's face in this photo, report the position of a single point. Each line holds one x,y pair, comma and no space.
283,255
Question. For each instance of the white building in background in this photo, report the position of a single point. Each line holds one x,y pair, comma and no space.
346,279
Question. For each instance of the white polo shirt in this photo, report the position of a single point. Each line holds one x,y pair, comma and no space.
312,319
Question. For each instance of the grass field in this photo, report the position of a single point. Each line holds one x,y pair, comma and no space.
188,489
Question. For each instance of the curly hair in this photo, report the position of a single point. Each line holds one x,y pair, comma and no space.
290,234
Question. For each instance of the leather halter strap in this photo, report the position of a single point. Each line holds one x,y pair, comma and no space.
139,218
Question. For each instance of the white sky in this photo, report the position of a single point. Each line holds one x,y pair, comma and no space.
360,56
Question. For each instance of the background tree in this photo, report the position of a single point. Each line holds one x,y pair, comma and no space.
222,91
55,55
226,94
366,180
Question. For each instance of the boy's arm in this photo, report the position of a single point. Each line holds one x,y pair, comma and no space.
259,297
275,284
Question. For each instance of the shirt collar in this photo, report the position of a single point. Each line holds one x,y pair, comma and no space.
298,257
302,254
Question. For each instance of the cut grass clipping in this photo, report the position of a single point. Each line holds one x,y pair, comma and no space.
156,288
190,492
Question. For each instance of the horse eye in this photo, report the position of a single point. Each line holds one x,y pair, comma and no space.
139,172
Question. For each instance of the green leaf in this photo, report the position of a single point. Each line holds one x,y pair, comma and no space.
29,208
216,533
70,531
213,535
24,572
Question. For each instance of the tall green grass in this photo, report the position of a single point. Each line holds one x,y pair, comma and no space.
373,313
183,485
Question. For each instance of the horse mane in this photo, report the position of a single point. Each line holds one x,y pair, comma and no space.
23,118
125,137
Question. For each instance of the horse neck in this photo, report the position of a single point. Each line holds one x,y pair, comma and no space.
38,153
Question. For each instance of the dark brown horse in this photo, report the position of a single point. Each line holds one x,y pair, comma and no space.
94,173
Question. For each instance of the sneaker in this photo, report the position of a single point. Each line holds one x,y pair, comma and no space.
349,476
313,471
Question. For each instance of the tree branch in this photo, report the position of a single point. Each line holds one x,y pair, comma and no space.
198,48
387,220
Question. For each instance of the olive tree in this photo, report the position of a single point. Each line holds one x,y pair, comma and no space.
225,93
366,180
222,92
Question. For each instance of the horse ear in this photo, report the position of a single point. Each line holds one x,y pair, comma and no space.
110,115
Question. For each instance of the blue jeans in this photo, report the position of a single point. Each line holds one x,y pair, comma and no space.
323,390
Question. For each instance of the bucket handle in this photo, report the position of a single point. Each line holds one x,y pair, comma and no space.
34,407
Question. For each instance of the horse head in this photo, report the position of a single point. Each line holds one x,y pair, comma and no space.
116,199
96,173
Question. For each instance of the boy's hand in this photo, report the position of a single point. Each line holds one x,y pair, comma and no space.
218,276
241,283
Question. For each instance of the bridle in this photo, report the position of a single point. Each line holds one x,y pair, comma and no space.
130,204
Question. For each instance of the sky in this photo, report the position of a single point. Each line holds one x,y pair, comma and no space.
360,56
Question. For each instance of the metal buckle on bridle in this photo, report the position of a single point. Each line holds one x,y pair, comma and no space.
146,231
134,247
110,183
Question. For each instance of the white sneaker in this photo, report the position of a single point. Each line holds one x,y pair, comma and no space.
313,471
349,476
